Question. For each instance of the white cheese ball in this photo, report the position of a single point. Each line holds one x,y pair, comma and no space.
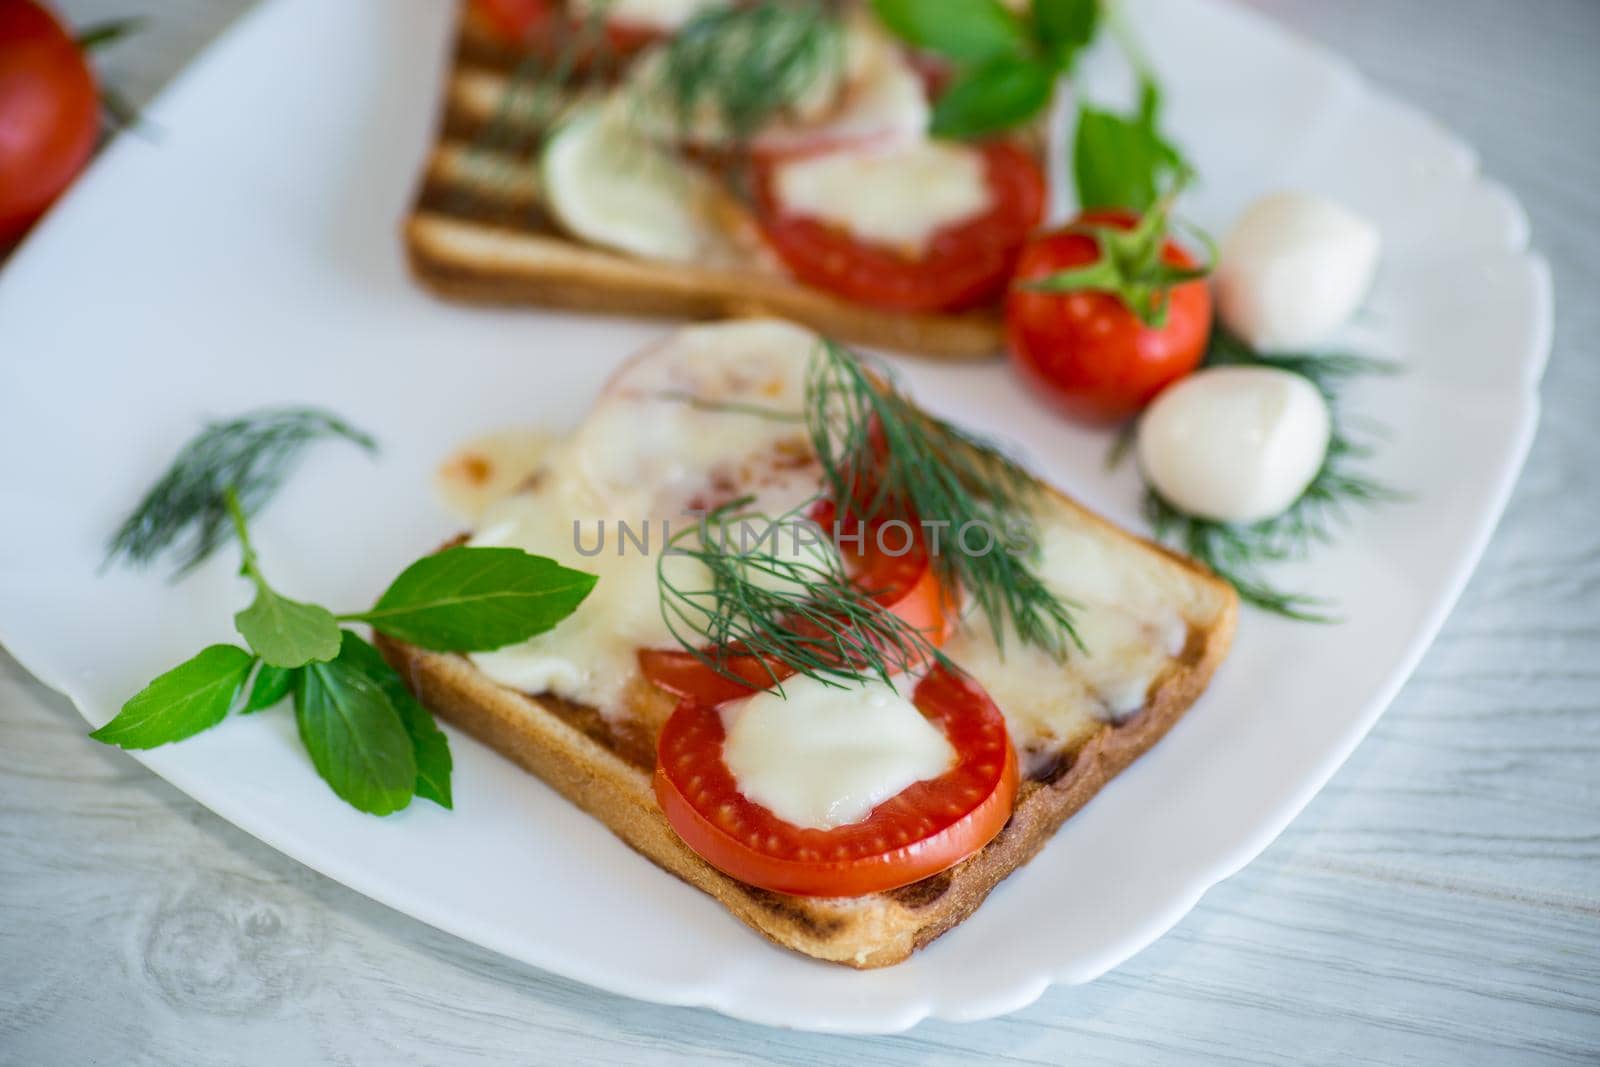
1293,269
1234,444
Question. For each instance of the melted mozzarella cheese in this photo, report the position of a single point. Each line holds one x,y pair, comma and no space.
821,756
880,102
899,197
641,457
1235,444
1128,616
589,657
613,188
641,436
873,96
490,468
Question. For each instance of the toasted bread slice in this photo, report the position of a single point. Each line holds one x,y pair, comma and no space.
476,234
605,764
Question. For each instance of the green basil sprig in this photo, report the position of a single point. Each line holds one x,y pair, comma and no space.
1006,63
368,737
373,743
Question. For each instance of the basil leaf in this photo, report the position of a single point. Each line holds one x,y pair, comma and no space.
271,685
1115,162
1121,161
473,599
191,697
428,742
354,734
965,30
998,95
1065,28
287,633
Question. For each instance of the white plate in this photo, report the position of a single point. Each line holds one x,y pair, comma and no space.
249,255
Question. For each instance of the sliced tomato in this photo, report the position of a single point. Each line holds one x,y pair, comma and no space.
893,566
964,265
685,675
903,584
542,26
926,828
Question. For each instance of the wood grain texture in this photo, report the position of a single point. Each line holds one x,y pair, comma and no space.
1439,902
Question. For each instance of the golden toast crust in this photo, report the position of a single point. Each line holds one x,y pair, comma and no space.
473,261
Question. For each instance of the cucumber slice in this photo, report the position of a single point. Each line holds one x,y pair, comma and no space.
609,186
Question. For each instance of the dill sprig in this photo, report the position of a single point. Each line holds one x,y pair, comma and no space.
1238,552
884,458
748,63
797,609
186,511
1328,371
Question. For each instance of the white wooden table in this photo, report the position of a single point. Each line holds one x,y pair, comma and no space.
1438,903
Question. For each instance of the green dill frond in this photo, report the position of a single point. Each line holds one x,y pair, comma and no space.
1234,554
885,458
1328,371
186,511
1237,552
881,458
748,63
794,608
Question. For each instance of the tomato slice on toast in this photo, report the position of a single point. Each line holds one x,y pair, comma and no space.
926,828
964,264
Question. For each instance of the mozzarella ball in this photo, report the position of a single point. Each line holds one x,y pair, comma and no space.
1234,444
1293,269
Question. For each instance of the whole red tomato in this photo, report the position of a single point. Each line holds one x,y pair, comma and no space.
1086,348
49,113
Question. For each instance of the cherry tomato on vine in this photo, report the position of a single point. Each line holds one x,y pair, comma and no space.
1071,321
